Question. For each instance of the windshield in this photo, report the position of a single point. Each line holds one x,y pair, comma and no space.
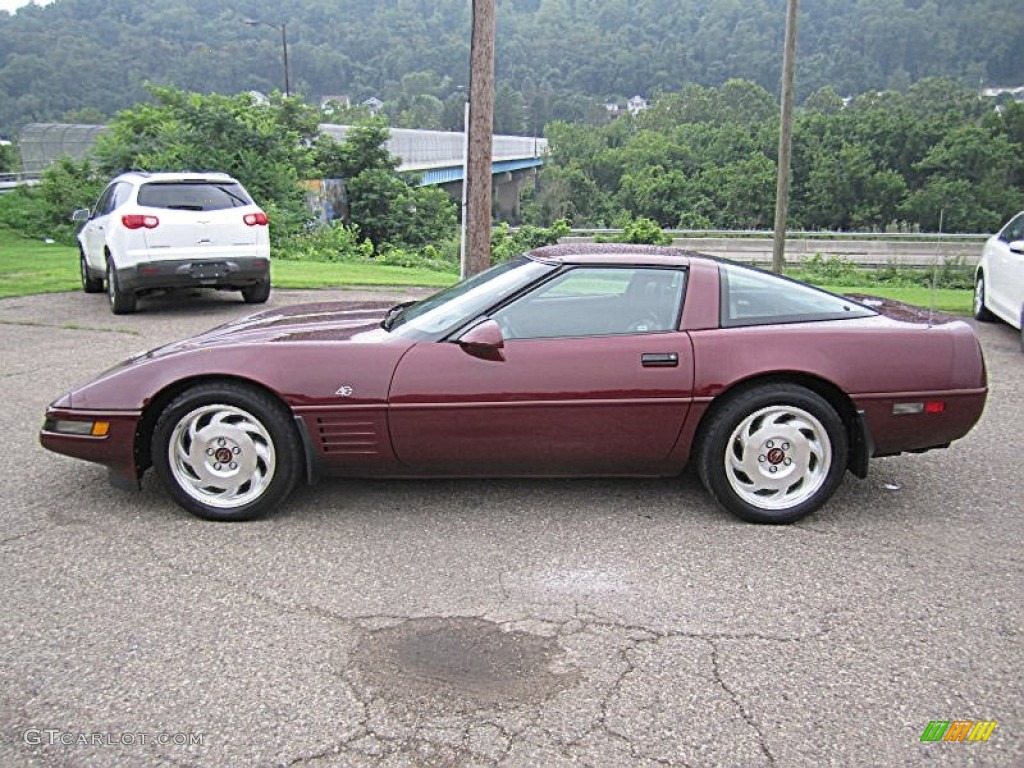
449,308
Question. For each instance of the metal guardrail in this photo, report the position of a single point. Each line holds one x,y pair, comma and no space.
796,234
864,249
19,176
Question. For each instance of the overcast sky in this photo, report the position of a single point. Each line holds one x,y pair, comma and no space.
11,5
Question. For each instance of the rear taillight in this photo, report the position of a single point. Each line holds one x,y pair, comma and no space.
255,219
138,221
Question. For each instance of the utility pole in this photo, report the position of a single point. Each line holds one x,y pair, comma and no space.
465,187
785,139
284,46
481,140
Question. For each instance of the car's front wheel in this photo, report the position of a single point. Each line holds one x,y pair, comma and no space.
773,454
226,451
121,302
90,284
981,312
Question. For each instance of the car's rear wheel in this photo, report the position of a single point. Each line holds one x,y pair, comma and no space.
121,302
226,451
981,312
256,294
89,284
773,454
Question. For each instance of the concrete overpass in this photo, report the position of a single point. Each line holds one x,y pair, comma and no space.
437,157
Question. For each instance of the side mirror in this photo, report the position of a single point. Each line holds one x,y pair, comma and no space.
484,341
1017,246
82,214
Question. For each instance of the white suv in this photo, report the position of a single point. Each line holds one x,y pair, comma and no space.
153,231
999,279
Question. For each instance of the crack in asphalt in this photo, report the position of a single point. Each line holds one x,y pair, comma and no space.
614,690
717,673
26,534
71,327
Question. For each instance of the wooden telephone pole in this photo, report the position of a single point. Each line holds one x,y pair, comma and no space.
785,140
481,139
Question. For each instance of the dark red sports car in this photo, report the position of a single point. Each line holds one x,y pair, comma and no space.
572,360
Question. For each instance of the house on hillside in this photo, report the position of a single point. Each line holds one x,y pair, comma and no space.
329,104
994,92
373,104
613,108
637,104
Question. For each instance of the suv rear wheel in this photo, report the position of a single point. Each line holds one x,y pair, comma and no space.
256,294
121,302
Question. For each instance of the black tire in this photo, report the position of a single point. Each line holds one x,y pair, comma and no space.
121,302
90,284
981,312
257,293
226,416
793,434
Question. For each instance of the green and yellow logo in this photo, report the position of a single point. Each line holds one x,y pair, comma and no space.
958,730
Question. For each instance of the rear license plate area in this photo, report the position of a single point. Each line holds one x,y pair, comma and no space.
208,270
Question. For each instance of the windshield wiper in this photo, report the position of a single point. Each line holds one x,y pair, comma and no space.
394,313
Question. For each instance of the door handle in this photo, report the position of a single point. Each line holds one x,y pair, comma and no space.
659,359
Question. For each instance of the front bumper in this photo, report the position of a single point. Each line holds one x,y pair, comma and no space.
229,273
115,450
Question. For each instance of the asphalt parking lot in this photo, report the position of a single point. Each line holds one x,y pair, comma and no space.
513,623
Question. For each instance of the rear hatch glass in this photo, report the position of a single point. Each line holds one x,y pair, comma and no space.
194,195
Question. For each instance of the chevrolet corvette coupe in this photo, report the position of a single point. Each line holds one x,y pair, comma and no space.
573,360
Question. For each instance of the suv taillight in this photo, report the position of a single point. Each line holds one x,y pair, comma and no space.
138,221
255,219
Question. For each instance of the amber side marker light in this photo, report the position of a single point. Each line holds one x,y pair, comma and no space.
84,428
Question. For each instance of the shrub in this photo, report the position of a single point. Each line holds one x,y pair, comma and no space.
45,210
640,230
331,242
507,244
833,269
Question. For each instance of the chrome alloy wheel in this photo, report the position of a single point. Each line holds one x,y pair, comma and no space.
778,457
221,456
979,297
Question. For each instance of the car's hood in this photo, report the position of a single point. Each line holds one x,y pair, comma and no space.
237,345
323,321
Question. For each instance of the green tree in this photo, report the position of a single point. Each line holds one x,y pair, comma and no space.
266,147
9,160
364,149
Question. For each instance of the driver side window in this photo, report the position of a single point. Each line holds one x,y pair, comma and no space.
597,301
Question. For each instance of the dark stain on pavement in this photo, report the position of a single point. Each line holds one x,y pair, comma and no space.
462,658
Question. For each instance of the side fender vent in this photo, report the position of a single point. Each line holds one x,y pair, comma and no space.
348,435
